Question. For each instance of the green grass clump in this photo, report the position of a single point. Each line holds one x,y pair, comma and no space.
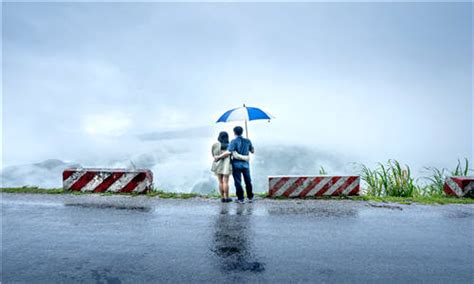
322,171
392,179
437,177
389,179
170,195
435,182
416,199
31,189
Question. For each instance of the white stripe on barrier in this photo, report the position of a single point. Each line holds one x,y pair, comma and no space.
304,185
273,181
319,186
75,176
141,186
454,186
335,186
351,187
121,182
285,186
98,179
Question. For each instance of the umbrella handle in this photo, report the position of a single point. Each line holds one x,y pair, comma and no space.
246,130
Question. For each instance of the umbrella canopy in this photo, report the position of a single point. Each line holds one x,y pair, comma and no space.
244,113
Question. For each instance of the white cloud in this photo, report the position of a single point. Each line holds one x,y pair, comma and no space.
356,84
106,124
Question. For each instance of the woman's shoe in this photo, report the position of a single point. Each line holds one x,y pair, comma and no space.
223,200
228,200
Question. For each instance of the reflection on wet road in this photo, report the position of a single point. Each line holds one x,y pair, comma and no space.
117,239
232,242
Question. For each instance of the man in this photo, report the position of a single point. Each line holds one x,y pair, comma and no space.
240,168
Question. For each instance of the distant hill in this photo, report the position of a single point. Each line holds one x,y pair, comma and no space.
46,174
184,166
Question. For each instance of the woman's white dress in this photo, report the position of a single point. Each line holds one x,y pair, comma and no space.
223,166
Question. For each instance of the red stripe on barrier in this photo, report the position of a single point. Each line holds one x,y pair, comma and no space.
355,191
133,183
310,186
458,181
347,183
327,186
67,174
108,182
278,185
294,186
85,179
448,190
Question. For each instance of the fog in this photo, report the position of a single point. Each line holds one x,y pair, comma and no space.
141,85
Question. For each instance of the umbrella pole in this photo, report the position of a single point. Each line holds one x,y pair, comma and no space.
246,130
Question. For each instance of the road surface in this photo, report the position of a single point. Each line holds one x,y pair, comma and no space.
123,239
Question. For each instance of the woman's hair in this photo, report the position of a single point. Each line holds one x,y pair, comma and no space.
224,140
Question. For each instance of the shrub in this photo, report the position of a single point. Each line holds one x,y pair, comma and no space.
438,176
390,179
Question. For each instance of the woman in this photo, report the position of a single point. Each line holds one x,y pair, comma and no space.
222,167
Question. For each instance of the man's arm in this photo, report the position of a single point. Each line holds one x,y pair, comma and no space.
227,153
252,149
222,156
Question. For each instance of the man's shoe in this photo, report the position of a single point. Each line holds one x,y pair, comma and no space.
240,201
250,200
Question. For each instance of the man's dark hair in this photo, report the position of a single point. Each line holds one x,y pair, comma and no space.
238,130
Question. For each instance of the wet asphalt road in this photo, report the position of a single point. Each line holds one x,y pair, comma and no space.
117,239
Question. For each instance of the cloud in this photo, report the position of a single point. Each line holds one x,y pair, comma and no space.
108,124
46,174
194,132
74,91
178,166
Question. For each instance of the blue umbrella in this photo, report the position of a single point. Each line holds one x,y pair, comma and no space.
244,113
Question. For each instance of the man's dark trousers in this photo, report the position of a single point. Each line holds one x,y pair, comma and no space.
237,173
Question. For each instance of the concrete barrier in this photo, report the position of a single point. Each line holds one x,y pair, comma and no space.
307,186
107,180
459,186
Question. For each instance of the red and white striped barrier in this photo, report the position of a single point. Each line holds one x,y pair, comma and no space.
458,186
107,180
305,186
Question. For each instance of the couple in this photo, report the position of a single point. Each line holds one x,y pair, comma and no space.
233,158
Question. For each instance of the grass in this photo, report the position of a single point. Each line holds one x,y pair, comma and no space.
322,171
31,189
437,177
393,180
172,195
389,182
417,199
389,179
154,193
175,195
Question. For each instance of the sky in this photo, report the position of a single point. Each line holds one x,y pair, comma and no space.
109,84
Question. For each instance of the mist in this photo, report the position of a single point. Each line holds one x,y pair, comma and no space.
348,83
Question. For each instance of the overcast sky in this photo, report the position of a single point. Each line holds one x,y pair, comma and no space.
364,82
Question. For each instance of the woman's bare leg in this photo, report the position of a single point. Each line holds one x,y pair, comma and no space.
225,186
220,179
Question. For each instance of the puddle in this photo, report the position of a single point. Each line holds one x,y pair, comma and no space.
232,241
